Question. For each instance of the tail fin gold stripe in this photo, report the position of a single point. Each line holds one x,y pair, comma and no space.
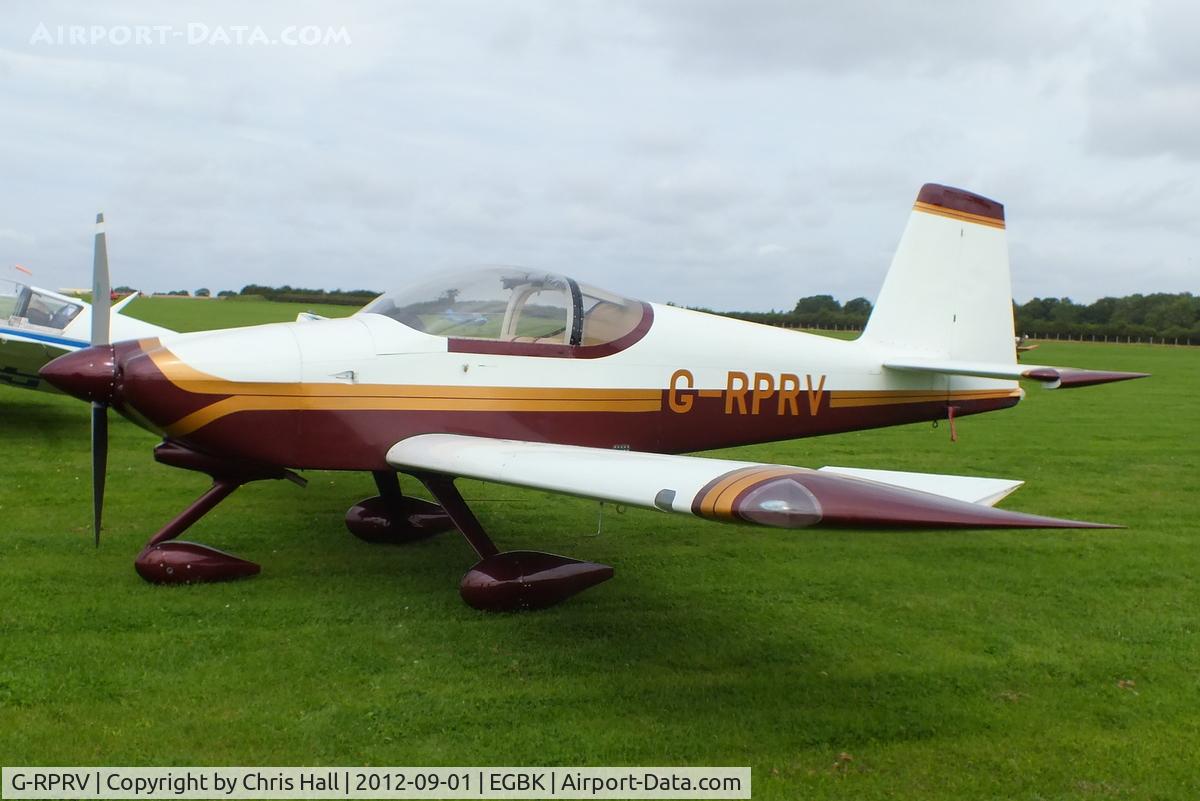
955,214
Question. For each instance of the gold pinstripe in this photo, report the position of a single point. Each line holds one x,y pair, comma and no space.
844,399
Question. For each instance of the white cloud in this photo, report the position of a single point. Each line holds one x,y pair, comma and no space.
1146,99
711,153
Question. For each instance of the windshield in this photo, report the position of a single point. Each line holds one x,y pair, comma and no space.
512,305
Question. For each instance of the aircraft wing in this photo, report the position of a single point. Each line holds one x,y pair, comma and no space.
748,492
1052,377
50,342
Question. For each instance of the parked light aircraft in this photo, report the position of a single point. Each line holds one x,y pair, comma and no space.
38,325
534,379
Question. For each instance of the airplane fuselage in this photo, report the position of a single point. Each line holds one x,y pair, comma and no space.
336,394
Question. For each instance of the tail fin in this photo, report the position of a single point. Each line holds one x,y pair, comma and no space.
948,294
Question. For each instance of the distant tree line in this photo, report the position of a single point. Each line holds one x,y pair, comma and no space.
1160,315
289,294
814,311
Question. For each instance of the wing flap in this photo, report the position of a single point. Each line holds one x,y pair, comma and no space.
1052,377
780,496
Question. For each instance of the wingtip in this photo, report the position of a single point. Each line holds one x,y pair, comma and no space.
1087,378
807,498
1055,522
1014,519
1067,377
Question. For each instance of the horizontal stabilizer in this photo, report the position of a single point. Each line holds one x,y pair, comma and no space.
123,302
969,489
1052,377
744,492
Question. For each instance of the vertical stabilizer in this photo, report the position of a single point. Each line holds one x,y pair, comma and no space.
948,293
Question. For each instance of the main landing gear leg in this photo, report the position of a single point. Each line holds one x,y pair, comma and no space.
390,517
165,561
507,581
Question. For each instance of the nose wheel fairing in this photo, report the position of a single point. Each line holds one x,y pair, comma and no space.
190,563
165,561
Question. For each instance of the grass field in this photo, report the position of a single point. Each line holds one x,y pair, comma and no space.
838,664
196,314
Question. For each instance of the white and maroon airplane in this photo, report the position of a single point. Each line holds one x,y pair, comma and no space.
534,379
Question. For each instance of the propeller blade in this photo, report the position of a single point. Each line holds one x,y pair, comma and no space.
99,464
101,319
101,287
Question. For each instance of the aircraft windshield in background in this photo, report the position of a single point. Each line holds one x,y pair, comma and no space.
537,380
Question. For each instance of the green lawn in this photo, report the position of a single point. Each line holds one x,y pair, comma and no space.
838,664
196,314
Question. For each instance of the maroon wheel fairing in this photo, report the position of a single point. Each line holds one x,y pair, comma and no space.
515,580
396,521
190,563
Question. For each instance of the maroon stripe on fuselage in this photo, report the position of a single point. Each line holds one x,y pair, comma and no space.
360,439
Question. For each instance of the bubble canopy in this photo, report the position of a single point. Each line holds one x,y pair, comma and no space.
520,307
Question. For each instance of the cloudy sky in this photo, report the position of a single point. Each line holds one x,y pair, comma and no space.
726,154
